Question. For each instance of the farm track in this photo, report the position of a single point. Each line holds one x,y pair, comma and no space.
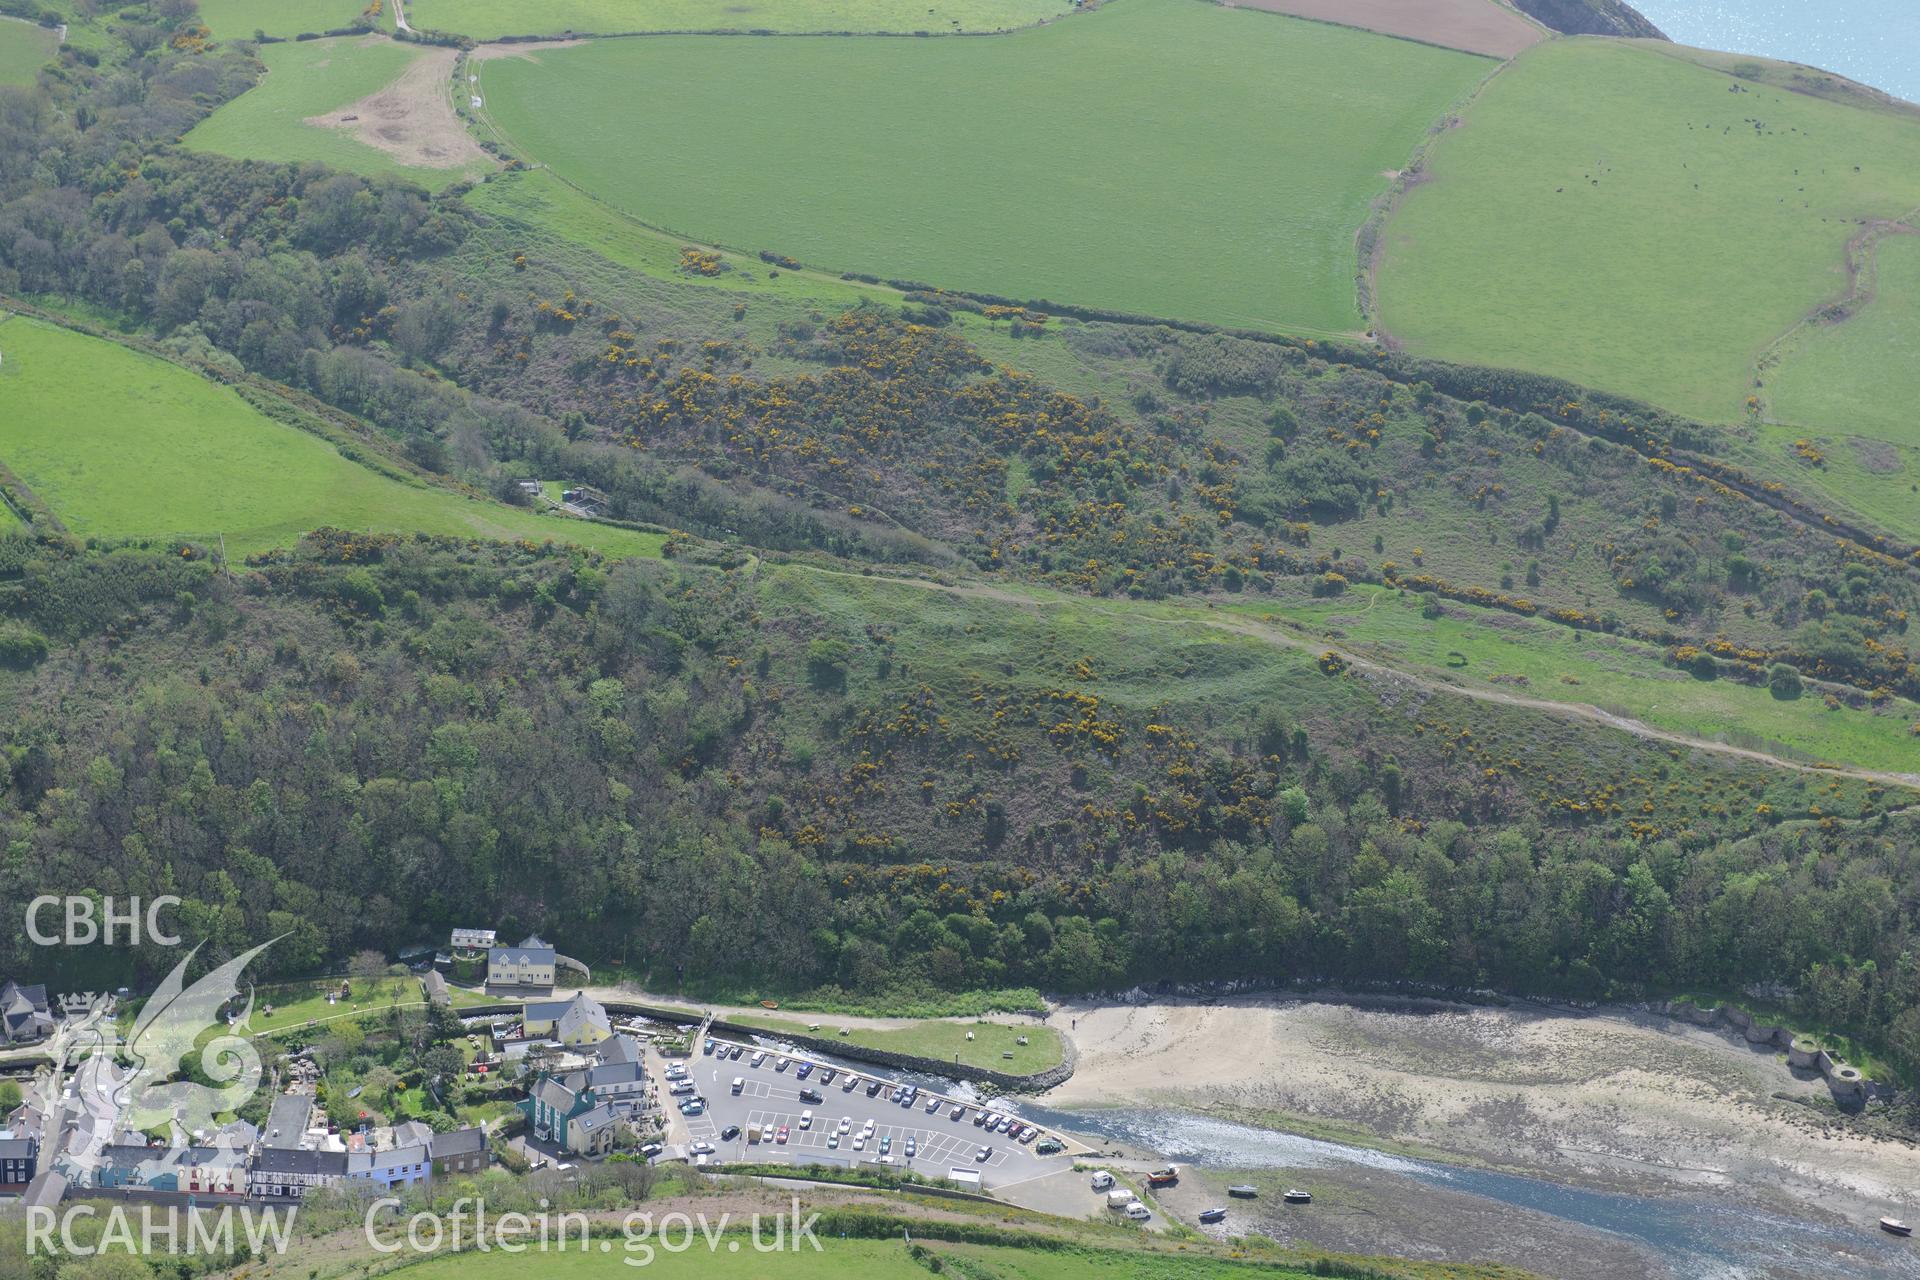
1281,639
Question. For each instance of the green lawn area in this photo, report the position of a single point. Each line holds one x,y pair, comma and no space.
1469,646
1157,156
297,1002
1639,223
139,447
540,206
943,1040
239,19
491,19
839,1259
25,47
1862,374
310,78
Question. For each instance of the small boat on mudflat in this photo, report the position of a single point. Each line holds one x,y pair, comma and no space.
1294,1196
1241,1191
1213,1215
1895,1227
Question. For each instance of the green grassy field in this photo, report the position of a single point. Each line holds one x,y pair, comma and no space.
25,47
240,19
1224,184
1862,374
197,460
491,19
1619,218
310,78
941,1039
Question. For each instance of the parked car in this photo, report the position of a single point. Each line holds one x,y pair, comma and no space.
959,1112
1048,1146
707,1047
826,1075
780,1134
811,1095
1028,1134
933,1105
735,1053
912,1146
739,1083
693,1107
701,1149
979,1119
859,1142
783,1064
729,1133
873,1087
802,1071
983,1154
846,1123
849,1084
758,1058
886,1143
806,1119
833,1142
651,1149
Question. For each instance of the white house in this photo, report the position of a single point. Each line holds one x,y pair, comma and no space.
529,966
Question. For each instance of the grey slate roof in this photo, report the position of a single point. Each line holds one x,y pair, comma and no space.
460,1142
310,1163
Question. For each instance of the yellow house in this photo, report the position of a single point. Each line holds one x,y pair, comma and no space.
577,1022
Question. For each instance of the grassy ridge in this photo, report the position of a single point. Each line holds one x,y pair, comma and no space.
491,19
1651,238
196,459
1225,184
309,78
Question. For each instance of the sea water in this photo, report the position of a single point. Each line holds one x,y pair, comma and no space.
1876,42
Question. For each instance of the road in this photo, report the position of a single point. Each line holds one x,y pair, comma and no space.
770,1097
400,16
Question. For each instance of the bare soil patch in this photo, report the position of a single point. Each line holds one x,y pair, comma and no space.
1876,456
528,49
412,119
1477,26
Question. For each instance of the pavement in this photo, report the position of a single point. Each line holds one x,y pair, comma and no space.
770,1098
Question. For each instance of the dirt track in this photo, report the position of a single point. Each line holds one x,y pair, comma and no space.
412,119
1477,26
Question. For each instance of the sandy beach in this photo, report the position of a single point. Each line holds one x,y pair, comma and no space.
1615,1101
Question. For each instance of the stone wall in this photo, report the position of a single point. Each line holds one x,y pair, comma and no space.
1845,1081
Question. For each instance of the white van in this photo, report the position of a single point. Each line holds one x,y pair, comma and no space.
1102,1180
1139,1212
739,1083
1119,1198
806,1119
